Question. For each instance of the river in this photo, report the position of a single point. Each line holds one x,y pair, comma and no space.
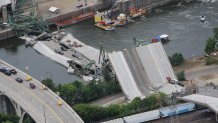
180,21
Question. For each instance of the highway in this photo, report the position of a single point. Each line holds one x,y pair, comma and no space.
124,74
40,104
138,71
191,74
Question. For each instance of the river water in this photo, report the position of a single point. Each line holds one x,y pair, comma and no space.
181,21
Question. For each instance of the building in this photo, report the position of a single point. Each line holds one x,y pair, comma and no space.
5,5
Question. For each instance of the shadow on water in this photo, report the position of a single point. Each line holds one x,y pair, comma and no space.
17,54
12,44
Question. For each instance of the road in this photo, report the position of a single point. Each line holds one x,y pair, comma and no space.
202,71
137,71
201,116
37,102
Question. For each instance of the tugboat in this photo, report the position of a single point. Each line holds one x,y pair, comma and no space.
102,21
121,20
164,38
203,18
134,13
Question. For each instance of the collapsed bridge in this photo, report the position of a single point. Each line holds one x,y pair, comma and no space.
143,70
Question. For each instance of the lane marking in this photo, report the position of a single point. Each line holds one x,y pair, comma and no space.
36,97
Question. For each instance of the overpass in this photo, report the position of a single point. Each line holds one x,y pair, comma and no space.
206,96
40,104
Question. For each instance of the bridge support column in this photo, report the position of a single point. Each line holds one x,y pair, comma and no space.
19,111
5,15
216,118
2,104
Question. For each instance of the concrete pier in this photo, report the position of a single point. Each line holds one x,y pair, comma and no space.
6,34
5,15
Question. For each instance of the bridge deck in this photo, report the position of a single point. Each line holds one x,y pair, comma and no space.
36,102
210,102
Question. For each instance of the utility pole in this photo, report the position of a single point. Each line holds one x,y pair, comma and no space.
44,112
173,118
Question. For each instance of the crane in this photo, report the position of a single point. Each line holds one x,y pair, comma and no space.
140,42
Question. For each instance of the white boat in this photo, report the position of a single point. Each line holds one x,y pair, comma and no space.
203,18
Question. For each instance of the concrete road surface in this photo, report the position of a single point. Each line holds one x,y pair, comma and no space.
37,102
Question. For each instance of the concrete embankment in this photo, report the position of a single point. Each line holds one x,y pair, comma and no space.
146,4
122,5
6,34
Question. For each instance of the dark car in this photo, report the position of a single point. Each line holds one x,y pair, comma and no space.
2,70
32,86
79,6
7,72
65,46
19,80
59,52
63,49
13,71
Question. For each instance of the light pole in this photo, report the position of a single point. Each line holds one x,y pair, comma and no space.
27,70
44,112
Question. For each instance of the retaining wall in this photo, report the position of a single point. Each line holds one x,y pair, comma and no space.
7,33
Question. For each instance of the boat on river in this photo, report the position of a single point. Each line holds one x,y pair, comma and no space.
103,21
135,13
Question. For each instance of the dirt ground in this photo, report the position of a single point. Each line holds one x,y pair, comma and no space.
191,64
196,64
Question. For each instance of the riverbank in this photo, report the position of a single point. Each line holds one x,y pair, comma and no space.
71,10
197,72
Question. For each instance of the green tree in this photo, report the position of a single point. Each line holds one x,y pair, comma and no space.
7,118
112,110
176,59
181,76
210,45
107,74
136,104
68,93
90,113
49,83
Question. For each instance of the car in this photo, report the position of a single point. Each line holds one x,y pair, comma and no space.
2,70
28,78
19,80
13,71
43,87
59,102
32,86
7,72
59,52
79,6
65,46
63,49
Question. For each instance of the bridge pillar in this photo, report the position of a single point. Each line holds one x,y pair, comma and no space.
5,15
3,108
19,111
216,118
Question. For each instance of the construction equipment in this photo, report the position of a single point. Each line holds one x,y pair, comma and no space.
140,42
102,57
86,68
28,23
